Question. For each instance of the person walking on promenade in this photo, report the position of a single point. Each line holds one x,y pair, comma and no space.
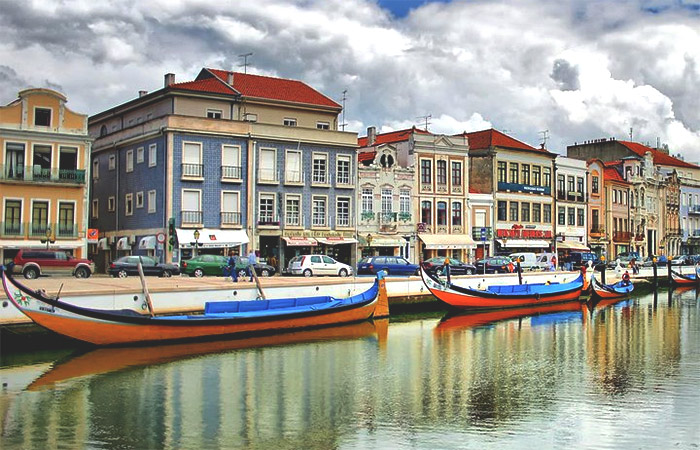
232,263
554,263
251,263
446,269
634,266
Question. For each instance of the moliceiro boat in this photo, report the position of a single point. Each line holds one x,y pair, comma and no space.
618,290
680,279
224,318
503,296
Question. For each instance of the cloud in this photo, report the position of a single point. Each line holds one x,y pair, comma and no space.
581,70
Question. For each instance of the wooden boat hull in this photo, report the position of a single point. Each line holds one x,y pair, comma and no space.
613,291
109,328
481,300
683,280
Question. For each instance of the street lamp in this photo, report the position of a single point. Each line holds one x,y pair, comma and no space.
195,244
48,239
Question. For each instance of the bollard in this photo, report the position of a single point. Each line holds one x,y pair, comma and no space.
669,272
656,274
520,272
602,273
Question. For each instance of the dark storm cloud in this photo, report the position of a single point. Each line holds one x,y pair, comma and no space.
565,75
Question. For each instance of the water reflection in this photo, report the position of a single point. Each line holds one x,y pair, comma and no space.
566,375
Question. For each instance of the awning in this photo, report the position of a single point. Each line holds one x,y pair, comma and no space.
123,244
523,243
571,245
386,241
446,241
299,241
102,244
147,243
211,237
59,244
336,240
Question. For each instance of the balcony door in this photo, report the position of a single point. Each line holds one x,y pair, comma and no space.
191,207
14,160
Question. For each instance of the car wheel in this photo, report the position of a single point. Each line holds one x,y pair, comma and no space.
82,272
343,273
307,273
199,273
167,274
31,273
122,274
265,273
417,272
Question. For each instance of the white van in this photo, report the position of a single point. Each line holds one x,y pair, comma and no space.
528,261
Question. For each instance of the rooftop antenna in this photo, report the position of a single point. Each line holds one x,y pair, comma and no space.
425,119
631,129
245,72
342,125
545,136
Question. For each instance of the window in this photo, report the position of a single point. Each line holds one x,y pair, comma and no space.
129,160
94,210
502,210
441,172
139,199
230,162
320,168
342,212
536,212
112,162
292,167
250,117
561,186
13,218
66,219
292,211
456,173
40,217
289,122
266,209
405,201
367,200
230,208
214,113
425,171
456,214
426,211
268,164
546,177
579,185
318,212
103,130
152,155
525,212
572,216
151,201
614,195
594,184
442,213
42,117
536,175
514,211
129,204
192,160
139,155
14,160
562,216
595,218
502,172
342,172
514,173
191,206
525,172
547,213
387,207
95,169
111,203
570,184
323,125
579,217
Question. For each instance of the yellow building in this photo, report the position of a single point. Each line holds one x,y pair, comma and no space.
44,149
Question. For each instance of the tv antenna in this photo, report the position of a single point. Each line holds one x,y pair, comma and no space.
631,130
545,136
245,61
425,119
342,125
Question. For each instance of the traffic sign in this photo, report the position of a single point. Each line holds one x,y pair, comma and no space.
160,237
93,235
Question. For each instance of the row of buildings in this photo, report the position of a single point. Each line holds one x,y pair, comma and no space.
231,159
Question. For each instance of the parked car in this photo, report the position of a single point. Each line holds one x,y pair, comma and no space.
309,265
204,265
261,269
33,263
529,261
457,267
494,264
625,258
128,265
683,260
394,265
579,259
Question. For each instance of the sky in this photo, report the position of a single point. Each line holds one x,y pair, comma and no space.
571,70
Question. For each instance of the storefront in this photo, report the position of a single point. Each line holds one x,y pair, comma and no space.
338,248
378,245
456,246
296,246
209,241
519,238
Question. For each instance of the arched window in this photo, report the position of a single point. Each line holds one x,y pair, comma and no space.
103,130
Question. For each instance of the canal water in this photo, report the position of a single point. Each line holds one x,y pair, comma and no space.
624,375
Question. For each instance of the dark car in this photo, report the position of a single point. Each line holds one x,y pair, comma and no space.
494,264
683,260
580,259
394,265
128,265
32,263
457,267
261,269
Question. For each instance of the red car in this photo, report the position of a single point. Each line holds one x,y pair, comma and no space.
33,263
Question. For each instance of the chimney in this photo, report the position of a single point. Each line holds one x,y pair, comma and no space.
371,135
169,79
142,93
229,78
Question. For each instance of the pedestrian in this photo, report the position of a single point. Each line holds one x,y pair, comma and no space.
633,265
446,268
232,263
553,267
251,263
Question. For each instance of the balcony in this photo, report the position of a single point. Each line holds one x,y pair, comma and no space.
191,218
12,172
38,230
319,178
367,216
191,171
10,229
527,188
388,222
694,209
268,176
319,221
268,220
71,176
343,180
230,218
622,236
42,175
405,217
294,177
66,231
597,230
343,221
230,173
482,233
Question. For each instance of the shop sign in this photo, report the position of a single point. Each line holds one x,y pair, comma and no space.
519,232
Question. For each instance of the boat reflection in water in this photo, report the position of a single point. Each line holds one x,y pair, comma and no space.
106,360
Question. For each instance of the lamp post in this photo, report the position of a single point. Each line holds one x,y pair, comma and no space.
195,244
48,239
369,244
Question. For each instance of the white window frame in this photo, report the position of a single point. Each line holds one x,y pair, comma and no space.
139,199
112,162
199,202
338,180
317,223
347,222
267,196
367,195
140,155
295,177
58,213
21,209
387,201
237,162
130,160
237,206
404,200
250,117
111,203
129,199
323,125
50,116
287,198
319,156
152,201
289,122
95,169
152,155
211,113
274,177
95,209
199,161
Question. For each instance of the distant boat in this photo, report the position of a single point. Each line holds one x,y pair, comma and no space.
605,291
503,296
680,279
120,327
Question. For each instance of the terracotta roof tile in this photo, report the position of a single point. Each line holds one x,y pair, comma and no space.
392,136
612,174
205,85
484,139
660,157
